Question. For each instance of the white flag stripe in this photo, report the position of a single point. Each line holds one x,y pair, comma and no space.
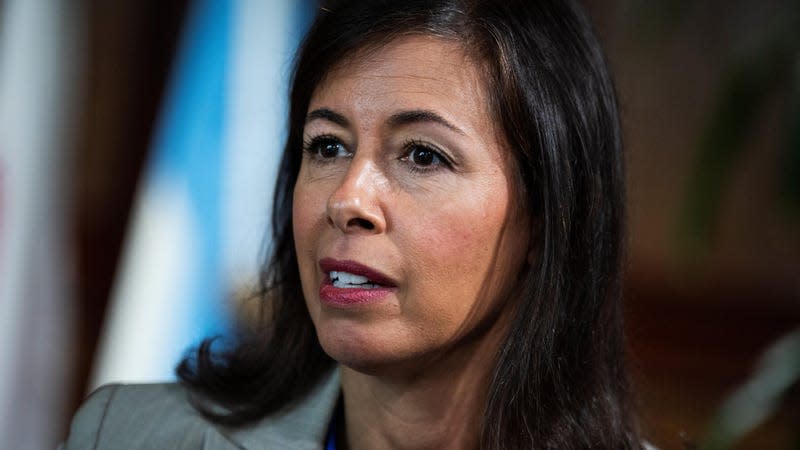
264,39
138,337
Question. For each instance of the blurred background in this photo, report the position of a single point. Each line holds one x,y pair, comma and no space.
138,147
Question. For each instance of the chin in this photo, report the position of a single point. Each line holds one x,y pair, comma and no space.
365,352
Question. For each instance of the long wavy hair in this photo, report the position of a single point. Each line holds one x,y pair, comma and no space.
560,379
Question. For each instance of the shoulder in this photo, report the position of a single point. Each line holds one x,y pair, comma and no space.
138,416
146,416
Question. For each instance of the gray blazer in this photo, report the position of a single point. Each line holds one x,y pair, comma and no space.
159,416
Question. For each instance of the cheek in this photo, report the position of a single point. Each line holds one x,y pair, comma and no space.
454,256
469,224
308,213
301,221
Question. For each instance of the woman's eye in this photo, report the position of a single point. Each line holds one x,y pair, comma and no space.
423,157
326,147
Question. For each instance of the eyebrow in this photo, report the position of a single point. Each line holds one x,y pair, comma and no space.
421,116
396,120
329,115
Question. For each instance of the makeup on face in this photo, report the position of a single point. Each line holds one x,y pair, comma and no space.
404,227
349,284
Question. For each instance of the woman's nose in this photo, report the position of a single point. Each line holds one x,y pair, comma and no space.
355,206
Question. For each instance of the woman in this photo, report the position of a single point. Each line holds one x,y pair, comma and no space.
447,229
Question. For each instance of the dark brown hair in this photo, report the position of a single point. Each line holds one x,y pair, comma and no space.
560,379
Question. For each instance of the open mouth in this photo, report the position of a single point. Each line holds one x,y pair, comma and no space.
349,283
353,275
346,280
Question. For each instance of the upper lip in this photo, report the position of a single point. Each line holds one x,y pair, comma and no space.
330,265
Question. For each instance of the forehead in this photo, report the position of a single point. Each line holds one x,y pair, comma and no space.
412,72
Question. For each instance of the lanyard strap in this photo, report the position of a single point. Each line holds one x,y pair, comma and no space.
336,419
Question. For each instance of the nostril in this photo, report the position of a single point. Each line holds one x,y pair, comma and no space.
361,223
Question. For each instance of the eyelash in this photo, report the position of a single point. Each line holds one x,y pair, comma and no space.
412,144
312,148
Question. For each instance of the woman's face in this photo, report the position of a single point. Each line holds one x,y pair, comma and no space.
406,234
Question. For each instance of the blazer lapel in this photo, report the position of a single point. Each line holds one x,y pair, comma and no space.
301,426
214,440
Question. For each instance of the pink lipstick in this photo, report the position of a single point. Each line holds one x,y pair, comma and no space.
349,283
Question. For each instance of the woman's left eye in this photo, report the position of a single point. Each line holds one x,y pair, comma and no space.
326,148
423,157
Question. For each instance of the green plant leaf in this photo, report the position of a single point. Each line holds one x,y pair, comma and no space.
756,400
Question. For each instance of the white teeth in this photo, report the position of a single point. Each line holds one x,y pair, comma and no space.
349,280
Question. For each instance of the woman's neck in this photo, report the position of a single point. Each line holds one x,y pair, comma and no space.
437,406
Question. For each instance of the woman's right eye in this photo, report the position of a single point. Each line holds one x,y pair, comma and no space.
324,148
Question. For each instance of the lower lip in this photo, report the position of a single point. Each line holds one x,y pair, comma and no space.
335,296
